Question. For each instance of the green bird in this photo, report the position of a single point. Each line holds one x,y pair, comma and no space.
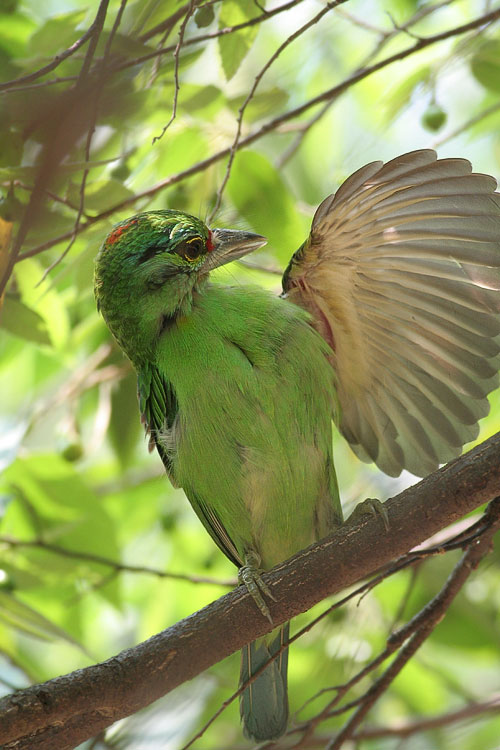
388,325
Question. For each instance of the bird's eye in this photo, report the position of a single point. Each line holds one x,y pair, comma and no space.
191,249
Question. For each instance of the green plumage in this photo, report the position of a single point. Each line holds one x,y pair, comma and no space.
254,394
238,388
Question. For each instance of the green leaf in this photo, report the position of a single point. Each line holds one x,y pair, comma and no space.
234,47
400,95
100,195
44,300
124,427
14,32
68,512
262,104
197,98
56,34
185,147
27,620
8,6
485,65
261,196
142,15
22,321
11,147
121,172
124,45
17,578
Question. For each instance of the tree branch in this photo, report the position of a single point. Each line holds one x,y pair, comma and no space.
67,710
406,729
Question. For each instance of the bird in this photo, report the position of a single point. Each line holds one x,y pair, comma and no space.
387,326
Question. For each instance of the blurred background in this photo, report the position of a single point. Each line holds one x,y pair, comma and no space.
107,109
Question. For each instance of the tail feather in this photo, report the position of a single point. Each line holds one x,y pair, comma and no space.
264,703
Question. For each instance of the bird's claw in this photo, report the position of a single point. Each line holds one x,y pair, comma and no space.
250,576
374,507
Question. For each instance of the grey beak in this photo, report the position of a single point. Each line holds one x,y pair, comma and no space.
231,244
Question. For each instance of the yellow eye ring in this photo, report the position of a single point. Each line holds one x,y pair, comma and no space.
191,249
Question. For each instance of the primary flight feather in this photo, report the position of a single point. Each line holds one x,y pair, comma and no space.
388,325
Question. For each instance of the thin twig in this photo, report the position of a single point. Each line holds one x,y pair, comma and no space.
241,112
303,131
83,378
259,267
176,72
53,196
414,572
42,84
91,130
467,124
434,722
157,63
117,567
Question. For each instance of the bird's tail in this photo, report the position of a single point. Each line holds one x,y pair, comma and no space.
264,703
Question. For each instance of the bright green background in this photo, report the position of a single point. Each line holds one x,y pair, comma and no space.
77,473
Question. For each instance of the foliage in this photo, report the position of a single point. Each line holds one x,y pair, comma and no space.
143,113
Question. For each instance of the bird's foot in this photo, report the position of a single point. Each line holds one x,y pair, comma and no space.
250,576
372,506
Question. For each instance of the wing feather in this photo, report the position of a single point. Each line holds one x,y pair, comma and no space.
401,274
159,411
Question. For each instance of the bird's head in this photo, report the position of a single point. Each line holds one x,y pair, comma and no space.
150,266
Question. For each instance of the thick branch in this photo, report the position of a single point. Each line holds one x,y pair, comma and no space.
67,710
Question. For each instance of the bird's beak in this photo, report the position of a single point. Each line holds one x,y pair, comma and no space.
231,244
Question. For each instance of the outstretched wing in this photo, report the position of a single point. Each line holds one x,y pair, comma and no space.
401,275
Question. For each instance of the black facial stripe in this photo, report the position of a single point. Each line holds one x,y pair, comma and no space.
149,253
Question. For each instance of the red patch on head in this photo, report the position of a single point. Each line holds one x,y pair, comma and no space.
209,243
116,233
